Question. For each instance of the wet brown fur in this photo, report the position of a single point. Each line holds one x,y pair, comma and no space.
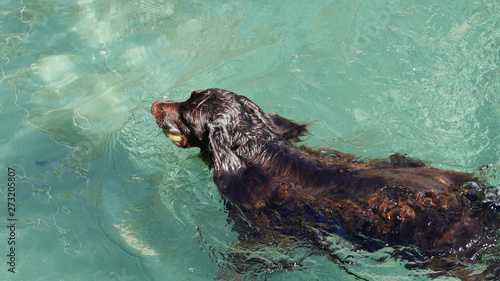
281,188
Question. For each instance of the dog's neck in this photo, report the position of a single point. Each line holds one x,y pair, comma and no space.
285,166
296,167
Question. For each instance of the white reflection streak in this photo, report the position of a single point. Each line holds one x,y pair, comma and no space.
106,60
18,37
12,86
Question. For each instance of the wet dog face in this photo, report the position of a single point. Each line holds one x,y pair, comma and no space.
185,122
167,115
212,116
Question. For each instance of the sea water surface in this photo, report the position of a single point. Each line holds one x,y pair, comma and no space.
101,194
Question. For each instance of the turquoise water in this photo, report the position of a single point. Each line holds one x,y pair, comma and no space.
101,194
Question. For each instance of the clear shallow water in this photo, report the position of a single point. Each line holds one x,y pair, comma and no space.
102,195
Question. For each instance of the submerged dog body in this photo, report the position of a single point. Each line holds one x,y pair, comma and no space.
258,169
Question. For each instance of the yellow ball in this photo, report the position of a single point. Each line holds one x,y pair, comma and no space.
172,137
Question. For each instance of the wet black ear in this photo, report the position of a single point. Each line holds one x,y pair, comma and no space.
221,138
286,128
228,166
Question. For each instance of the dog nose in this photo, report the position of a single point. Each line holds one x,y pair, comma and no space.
157,107
166,106
154,108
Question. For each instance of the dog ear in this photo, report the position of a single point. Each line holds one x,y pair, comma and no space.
221,144
228,166
286,128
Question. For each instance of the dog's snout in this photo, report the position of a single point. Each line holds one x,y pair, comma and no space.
164,105
156,108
